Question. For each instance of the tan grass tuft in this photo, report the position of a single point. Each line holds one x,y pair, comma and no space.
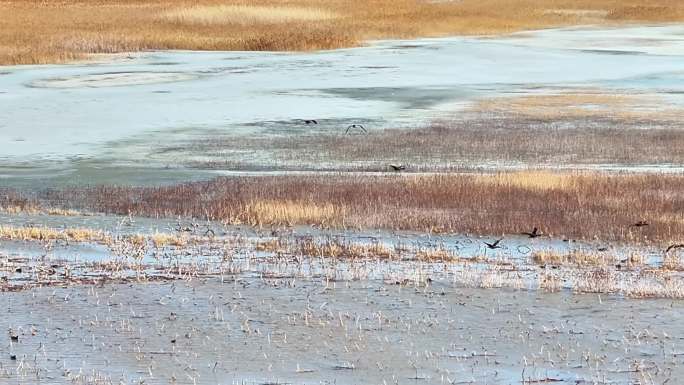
576,258
289,213
530,180
272,245
339,249
166,239
45,234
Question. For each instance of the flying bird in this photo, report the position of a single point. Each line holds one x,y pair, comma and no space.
534,234
493,245
398,167
362,128
673,247
640,224
310,121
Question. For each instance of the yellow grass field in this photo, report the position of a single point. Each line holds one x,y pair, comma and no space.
48,31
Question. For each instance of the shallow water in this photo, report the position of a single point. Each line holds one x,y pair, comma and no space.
262,317
99,122
298,332
214,249
514,247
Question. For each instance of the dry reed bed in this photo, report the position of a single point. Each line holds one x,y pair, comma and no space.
572,205
12,201
71,29
583,103
339,249
49,234
576,258
124,243
461,143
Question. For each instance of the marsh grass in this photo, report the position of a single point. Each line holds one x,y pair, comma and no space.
577,258
48,234
571,205
288,213
271,245
12,202
581,103
550,282
73,29
471,141
343,250
245,15
673,261
166,239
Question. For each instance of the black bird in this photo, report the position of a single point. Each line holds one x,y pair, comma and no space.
494,245
534,234
13,357
398,167
623,262
356,126
310,121
640,224
676,246
14,338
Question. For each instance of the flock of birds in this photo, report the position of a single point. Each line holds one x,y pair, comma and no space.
535,233
349,128
356,126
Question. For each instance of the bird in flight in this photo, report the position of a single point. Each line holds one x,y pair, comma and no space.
534,234
398,167
673,247
493,245
640,224
310,121
362,128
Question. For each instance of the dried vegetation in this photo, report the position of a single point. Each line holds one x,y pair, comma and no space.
570,205
47,31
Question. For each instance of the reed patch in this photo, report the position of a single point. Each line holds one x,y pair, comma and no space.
579,205
245,15
75,29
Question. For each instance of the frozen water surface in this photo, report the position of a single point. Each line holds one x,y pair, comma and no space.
75,120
